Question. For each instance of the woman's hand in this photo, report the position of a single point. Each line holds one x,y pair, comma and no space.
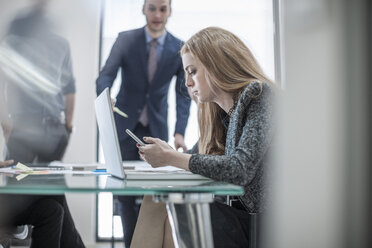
158,153
155,151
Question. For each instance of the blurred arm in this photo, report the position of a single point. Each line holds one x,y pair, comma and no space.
69,110
110,70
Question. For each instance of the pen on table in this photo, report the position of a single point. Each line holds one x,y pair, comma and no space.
118,111
7,166
48,168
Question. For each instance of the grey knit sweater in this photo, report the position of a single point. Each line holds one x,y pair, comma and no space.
249,136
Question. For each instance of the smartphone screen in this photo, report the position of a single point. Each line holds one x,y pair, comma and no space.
134,137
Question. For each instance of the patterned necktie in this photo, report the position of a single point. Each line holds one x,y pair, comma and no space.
152,61
151,68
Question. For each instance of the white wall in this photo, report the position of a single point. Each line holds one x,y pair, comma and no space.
309,172
320,190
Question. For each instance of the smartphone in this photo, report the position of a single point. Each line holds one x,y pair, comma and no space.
134,137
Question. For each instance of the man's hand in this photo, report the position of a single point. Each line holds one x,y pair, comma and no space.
179,142
113,102
6,163
69,127
7,128
69,111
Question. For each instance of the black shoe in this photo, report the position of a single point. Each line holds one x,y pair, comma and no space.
4,242
20,232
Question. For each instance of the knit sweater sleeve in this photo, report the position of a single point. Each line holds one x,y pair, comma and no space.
247,143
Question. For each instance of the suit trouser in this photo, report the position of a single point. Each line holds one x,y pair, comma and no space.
127,206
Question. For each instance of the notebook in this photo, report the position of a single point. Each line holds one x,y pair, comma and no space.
111,150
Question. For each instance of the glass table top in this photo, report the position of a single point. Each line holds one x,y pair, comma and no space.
69,183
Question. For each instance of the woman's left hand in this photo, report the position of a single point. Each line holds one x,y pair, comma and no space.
155,152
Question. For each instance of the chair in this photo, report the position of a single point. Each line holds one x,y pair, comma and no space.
115,212
253,221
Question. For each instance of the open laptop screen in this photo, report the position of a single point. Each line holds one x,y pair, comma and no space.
111,149
108,135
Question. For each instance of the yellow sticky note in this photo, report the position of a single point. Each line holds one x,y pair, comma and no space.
23,167
21,176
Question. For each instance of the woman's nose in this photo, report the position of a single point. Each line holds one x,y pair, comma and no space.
189,82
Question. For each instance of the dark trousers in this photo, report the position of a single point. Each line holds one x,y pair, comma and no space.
232,227
49,215
127,206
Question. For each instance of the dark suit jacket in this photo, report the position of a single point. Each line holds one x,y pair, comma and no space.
130,54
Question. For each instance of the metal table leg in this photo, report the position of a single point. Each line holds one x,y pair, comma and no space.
189,218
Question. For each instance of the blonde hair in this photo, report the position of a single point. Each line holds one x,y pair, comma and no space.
230,66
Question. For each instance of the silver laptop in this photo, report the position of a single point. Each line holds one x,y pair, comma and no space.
111,149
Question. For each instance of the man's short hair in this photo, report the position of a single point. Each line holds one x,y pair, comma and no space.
170,2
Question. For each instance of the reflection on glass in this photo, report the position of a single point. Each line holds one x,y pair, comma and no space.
39,87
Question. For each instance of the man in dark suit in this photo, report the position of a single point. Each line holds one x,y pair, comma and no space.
148,58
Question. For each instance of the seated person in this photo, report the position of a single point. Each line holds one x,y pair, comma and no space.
50,217
235,114
45,215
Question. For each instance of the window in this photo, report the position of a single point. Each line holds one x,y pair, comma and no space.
251,20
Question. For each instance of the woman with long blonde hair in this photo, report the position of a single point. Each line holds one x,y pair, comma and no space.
235,113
